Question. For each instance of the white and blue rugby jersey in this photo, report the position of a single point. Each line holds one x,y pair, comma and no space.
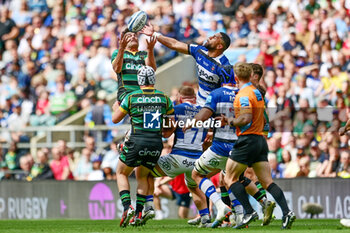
188,144
208,70
220,101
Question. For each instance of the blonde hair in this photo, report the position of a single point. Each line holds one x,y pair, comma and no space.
243,71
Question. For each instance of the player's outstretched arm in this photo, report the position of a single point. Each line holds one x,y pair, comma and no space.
169,42
344,129
150,60
117,63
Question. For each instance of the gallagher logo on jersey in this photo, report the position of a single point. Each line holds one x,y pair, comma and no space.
151,120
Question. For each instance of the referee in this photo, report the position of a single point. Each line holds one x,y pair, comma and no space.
251,148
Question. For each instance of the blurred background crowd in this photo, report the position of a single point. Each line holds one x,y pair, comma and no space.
55,61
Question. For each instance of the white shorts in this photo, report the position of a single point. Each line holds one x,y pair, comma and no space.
210,161
174,165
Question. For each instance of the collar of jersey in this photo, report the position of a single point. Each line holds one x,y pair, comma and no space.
246,85
133,53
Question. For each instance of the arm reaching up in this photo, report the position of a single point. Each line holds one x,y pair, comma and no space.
169,42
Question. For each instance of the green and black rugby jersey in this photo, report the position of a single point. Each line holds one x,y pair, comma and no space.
147,108
127,78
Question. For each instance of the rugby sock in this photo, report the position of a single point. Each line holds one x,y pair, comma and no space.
238,190
259,186
260,196
209,189
224,196
140,201
204,212
235,203
278,195
149,201
125,197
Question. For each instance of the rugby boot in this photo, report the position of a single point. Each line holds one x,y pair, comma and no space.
127,215
148,214
248,218
268,208
287,220
221,215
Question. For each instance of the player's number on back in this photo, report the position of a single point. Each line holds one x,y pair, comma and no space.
191,135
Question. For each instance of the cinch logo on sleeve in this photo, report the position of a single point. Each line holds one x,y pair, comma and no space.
151,120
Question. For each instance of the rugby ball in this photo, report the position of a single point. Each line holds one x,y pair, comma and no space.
137,21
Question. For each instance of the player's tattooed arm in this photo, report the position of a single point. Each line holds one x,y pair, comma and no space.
169,42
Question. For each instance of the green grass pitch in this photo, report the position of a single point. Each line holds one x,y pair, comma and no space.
168,226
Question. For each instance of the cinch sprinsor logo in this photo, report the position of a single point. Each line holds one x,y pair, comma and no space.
146,99
151,120
101,202
147,152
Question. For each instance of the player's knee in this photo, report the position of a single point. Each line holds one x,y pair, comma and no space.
229,180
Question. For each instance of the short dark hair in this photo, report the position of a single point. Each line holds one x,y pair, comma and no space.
257,69
226,39
187,91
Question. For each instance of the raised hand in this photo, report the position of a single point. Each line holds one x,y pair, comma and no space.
151,42
123,42
148,30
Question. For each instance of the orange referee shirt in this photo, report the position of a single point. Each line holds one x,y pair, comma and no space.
250,100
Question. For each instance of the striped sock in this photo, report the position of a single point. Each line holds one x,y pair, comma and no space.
259,186
149,201
204,212
260,196
125,198
140,202
235,203
224,196
209,190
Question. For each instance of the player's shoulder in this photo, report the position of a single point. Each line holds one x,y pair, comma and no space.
194,48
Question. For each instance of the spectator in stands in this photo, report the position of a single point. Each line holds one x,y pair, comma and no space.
100,114
344,168
60,165
97,173
203,20
110,161
41,169
84,165
62,102
8,28
91,146
25,163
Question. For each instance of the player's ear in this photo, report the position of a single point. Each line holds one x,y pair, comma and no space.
220,46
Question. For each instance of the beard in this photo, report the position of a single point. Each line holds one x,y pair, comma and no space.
207,45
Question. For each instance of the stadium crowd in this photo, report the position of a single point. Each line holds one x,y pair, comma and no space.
55,61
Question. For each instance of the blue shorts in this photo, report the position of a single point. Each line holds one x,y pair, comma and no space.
182,199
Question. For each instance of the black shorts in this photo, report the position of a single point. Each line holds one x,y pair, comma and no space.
182,199
143,150
250,149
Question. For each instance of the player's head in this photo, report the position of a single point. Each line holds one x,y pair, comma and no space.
243,72
134,40
258,72
146,76
227,76
219,41
186,94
